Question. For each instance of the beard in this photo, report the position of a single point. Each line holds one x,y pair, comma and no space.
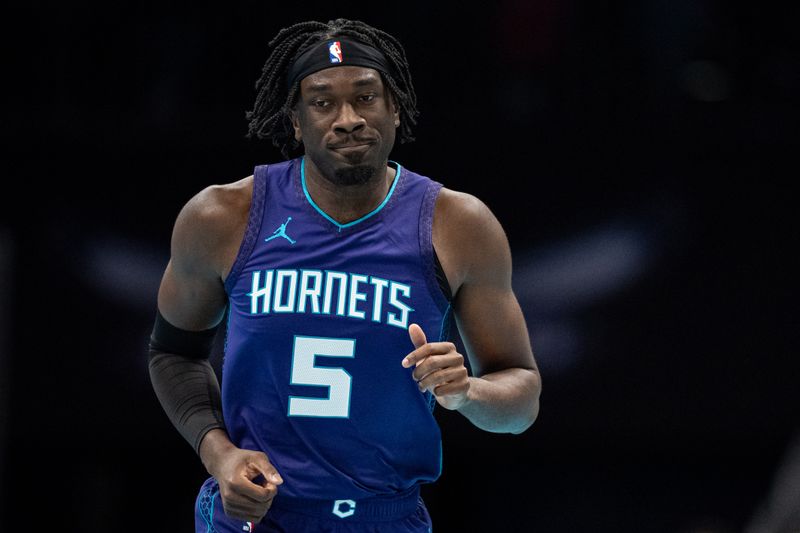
355,174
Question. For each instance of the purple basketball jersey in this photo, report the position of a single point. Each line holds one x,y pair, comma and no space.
317,330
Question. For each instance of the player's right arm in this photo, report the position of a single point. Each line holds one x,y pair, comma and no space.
191,303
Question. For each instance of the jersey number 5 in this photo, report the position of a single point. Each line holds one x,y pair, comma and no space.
336,379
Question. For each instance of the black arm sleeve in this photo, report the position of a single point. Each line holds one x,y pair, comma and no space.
184,381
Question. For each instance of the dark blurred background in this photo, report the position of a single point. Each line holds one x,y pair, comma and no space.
640,155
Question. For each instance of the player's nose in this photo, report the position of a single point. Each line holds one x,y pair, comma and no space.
347,120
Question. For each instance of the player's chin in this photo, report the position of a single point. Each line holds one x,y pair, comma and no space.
355,174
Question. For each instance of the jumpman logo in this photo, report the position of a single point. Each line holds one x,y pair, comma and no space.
281,232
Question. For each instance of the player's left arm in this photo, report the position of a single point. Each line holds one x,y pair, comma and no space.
502,394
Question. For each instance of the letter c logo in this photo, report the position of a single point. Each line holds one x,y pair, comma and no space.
349,504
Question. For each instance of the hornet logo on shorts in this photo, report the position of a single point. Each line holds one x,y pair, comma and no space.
335,51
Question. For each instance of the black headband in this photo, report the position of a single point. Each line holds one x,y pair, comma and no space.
336,52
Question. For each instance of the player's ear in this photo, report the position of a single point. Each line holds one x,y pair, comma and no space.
395,110
298,134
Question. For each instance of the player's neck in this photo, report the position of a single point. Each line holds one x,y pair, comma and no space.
346,203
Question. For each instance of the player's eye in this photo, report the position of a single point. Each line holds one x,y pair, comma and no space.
320,103
367,97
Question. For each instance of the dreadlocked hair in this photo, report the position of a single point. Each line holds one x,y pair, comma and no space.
269,118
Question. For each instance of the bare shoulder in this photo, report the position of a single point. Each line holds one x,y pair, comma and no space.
468,237
456,207
211,225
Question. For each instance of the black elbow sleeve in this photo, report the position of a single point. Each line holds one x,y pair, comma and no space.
184,381
168,338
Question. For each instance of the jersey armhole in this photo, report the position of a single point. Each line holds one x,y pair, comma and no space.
441,278
434,273
253,225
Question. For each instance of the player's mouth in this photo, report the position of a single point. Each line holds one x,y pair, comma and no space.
352,148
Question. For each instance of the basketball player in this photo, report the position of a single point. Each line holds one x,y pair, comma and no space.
340,272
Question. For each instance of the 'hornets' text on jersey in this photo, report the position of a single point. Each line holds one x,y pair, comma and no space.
315,291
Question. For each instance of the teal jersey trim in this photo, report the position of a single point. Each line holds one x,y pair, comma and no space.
354,222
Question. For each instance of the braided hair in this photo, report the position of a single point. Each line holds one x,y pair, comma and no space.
269,118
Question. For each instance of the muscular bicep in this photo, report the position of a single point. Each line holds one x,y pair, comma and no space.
189,300
488,315
493,329
191,295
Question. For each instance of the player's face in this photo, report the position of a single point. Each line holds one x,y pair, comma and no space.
346,119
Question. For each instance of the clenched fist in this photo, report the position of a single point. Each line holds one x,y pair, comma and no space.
439,369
